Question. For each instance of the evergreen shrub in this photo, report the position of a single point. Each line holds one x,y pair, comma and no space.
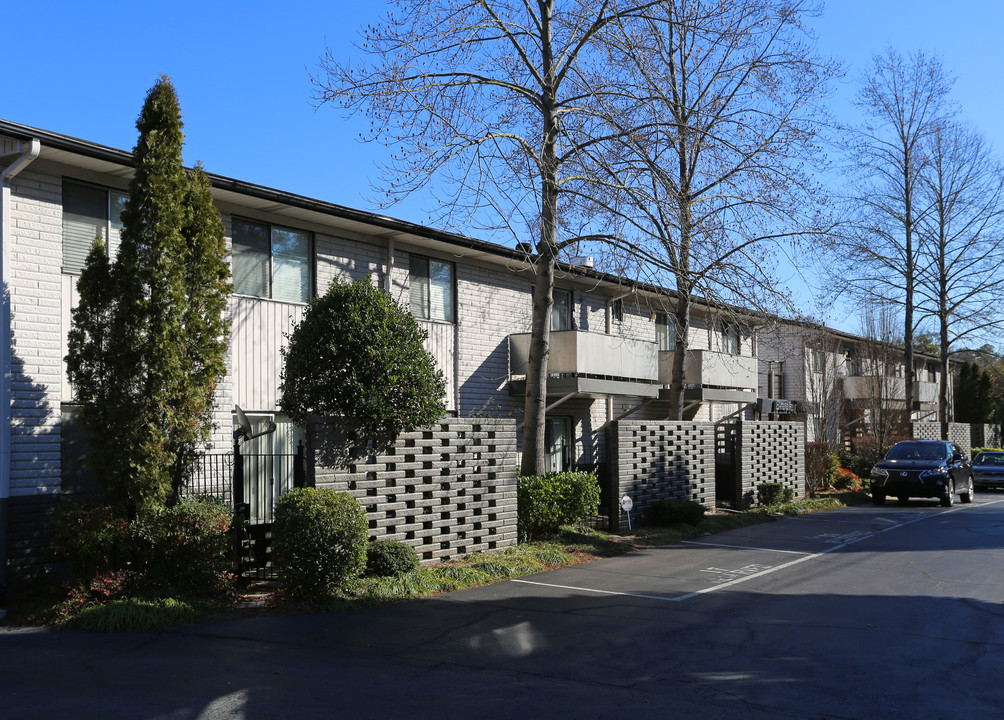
388,558
773,494
546,502
186,547
319,538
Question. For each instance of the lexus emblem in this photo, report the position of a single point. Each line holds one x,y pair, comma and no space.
902,474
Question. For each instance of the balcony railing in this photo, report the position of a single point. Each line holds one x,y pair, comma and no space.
575,352
874,387
711,369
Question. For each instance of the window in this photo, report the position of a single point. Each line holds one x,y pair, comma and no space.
89,212
431,289
729,338
617,310
851,363
561,310
271,262
775,380
665,331
818,359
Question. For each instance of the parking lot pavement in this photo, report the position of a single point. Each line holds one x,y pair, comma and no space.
685,571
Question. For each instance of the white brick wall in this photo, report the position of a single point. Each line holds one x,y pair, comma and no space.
36,329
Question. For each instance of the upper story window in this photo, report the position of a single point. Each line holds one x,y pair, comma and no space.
818,359
561,310
89,212
852,363
730,340
665,331
271,262
431,284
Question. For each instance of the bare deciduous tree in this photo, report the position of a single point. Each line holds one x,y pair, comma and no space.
963,243
701,202
495,102
904,99
882,373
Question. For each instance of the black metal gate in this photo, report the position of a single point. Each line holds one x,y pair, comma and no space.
728,486
250,483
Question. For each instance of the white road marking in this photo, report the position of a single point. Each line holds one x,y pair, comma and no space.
744,547
754,575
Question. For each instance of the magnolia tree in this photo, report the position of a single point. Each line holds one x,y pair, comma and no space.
357,357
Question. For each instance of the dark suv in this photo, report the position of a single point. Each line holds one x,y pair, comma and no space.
923,468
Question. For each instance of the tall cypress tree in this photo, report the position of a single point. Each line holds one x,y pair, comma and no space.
163,334
207,288
87,340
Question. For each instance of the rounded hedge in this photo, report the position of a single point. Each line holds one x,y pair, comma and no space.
387,558
319,540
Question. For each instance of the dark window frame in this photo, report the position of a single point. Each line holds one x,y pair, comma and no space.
270,270
420,296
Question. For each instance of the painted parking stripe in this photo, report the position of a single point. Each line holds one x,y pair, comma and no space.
594,590
762,573
743,547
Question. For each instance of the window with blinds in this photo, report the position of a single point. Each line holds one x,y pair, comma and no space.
431,289
271,262
665,331
89,212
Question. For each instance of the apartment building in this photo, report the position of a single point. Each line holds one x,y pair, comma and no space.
612,338
839,383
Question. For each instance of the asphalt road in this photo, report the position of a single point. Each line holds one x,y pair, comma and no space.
867,612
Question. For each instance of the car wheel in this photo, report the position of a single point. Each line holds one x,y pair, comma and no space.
949,497
967,494
878,498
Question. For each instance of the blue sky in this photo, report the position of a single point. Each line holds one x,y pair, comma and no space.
241,72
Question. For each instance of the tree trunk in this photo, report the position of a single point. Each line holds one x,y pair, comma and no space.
547,247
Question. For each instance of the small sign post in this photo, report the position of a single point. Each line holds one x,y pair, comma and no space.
626,504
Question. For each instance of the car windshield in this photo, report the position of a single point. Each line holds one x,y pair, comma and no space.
989,458
917,451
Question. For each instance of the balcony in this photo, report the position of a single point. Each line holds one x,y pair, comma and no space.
591,364
892,389
709,375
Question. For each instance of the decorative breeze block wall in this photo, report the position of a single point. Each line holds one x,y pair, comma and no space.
928,431
661,460
771,451
446,490
958,433
986,436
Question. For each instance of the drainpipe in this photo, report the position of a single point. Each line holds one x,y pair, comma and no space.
24,157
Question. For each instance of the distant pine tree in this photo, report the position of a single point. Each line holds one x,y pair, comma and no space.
964,394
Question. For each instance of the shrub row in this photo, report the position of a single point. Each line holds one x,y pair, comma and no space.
185,547
546,502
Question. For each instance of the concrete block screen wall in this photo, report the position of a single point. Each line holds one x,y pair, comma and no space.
660,460
771,452
959,433
446,490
